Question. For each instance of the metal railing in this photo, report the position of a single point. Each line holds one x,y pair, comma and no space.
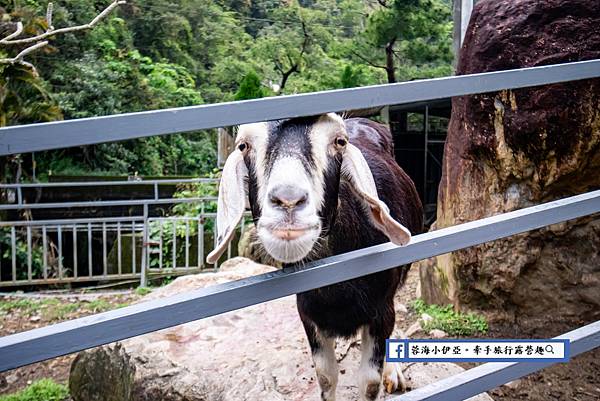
41,252
14,192
79,334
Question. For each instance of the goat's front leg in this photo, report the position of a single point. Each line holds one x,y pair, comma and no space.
323,354
372,347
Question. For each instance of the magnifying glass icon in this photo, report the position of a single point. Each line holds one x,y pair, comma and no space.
549,349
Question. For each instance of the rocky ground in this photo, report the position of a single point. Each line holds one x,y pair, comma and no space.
579,380
28,311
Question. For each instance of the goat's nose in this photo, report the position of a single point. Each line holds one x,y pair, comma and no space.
288,196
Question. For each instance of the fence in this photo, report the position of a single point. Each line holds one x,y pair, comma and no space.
72,336
105,248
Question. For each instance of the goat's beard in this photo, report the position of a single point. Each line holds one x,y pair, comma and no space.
286,251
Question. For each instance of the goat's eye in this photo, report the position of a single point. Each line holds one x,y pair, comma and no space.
242,146
341,142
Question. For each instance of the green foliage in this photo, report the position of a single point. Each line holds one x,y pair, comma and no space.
452,322
141,291
351,77
159,54
41,390
54,309
250,87
24,97
21,255
179,227
25,305
408,35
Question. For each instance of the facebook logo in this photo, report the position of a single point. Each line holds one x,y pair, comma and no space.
475,350
396,349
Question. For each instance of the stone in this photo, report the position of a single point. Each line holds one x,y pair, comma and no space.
426,318
413,329
437,333
513,149
255,353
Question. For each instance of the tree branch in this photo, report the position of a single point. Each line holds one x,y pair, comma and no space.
38,40
18,59
16,33
294,64
51,32
366,60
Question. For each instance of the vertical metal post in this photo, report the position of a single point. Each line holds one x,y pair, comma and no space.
45,252
89,241
174,244
156,191
426,145
119,252
198,247
60,252
133,253
13,244
462,10
201,237
160,244
144,278
104,256
29,253
216,265
19,196
187,243
75,250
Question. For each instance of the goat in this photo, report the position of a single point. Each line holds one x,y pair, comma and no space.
321,186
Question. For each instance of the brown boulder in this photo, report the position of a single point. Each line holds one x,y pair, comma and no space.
513,149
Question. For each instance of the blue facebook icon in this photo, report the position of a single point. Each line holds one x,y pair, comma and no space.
395,350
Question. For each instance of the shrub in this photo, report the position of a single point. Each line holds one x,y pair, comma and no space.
41,390
447,319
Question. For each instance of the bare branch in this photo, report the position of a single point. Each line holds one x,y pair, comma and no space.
294,64
366,60
49,11
26,51
15,33
38,41
18,59
52,32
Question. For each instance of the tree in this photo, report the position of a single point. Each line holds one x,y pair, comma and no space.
250,87
404,33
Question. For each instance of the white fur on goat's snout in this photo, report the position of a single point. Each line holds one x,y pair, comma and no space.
289,171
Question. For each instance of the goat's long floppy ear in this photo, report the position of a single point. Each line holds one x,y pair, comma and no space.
231,204
356,167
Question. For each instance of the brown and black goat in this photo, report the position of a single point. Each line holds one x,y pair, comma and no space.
321,186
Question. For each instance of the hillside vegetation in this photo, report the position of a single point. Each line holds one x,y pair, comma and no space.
155,54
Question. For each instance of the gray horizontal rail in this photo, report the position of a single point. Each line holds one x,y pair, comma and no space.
79,334
152,273
109,183
490,375
132,202
70,222
86,131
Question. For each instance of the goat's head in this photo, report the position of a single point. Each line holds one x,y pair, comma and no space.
290,172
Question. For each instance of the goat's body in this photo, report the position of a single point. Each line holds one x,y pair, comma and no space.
321,186
340,310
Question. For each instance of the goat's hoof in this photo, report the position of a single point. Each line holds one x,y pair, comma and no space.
393,379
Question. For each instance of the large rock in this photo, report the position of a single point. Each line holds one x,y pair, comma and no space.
514,149
254,354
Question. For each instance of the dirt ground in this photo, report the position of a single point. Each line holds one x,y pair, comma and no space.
579,380
42,310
